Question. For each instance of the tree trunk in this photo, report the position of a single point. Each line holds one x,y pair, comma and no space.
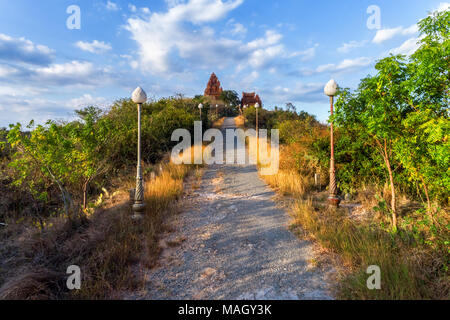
428,198
391,181
85,196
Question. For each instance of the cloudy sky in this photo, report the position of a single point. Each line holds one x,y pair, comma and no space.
285,50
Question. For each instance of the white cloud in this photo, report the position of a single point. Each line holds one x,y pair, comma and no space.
261,57
238,29
307,54
23,108
112,6
94,46
443,6
248,80
299,92
386,34
345,65
271,37
86,100
6,70
180,33
348,46
23,50
132,7
173,3
407,48
73,69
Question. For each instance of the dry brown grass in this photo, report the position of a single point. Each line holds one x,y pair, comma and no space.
218,123
410,269
408,272
106,245
290,183
287,181
240,120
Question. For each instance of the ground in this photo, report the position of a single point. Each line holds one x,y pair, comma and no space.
231,241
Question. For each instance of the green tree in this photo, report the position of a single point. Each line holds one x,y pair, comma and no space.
91,153
230,97
46,151
423,148
376,109
403,111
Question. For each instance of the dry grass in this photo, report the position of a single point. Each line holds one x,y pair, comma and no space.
285,180
413,262
408,272
107,246
240,120
218,123
290,183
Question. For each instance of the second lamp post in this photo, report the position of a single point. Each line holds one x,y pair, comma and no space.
330,90
139,97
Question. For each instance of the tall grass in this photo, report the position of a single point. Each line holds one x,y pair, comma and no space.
239,120
289,183
218,123
406,272
413,262
107,246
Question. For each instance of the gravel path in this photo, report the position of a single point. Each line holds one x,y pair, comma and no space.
232,242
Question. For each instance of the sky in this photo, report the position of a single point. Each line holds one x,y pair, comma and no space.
54,61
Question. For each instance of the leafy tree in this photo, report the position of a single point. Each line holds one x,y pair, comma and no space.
230,96
376,109
402,111
45,151
91,153
423,148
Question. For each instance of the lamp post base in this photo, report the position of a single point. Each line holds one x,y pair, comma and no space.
138,208
334,201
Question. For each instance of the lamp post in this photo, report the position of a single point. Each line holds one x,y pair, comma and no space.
139,97
217,110
257,132
330,90
257,107
200,107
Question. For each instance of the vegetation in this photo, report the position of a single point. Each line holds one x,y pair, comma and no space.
56,209
230,97
392,155
392,148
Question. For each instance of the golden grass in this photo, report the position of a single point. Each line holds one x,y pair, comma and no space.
218,123
289,183
360,245
107,246
239,120
410,269
165,188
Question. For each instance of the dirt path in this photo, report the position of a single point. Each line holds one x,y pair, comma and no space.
232,242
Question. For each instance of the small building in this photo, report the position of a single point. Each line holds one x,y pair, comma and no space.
250,99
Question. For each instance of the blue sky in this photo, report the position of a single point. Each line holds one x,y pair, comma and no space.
284,50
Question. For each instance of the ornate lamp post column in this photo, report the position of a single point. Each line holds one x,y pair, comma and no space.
330,90
139,97
257,124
